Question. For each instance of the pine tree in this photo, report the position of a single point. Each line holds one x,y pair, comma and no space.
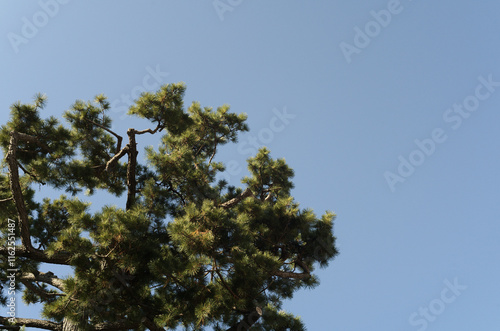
184,250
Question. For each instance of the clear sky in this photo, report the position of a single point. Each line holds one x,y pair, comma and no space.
388,111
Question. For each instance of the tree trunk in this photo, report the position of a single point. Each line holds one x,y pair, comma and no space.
69,325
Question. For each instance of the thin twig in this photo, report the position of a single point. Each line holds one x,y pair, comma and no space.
225,284
215,151
159,127
33,176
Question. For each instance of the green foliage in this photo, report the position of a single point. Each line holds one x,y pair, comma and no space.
188,250
164,108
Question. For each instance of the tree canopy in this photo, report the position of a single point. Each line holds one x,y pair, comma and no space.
185,249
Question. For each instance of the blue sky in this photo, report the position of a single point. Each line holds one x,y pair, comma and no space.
419,251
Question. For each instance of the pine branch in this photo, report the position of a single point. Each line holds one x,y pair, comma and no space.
35,178
118,137
245,194
15,188
158,128
41,293
148,320
131,169
117,157
269,197
17,195
304,267
127,149
177,193
37,255
32,139
215,151
6,200
226,286
29,322
48,278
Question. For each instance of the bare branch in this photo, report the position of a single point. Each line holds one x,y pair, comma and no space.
117,157
37,255
43,294
30,174
17,195
146,131
29,322
32,139
16,190
131,169
48,278
158,128
225,284
245,194
177,193
6,200
215,151
118,137
302,265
